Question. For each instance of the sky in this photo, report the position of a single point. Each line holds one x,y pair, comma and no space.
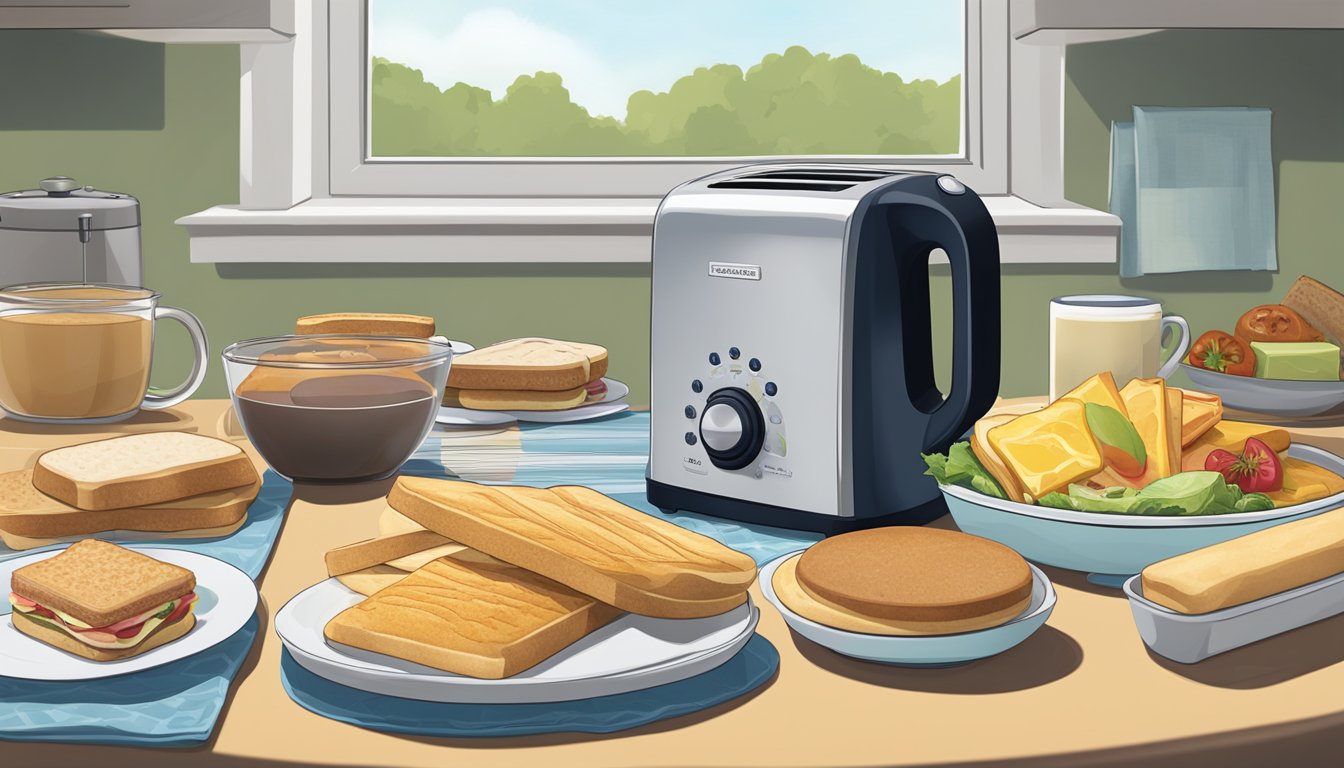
607,49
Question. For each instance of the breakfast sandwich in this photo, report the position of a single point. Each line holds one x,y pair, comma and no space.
528,374
103,602
906,581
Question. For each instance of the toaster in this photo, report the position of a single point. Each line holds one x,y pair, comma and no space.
792,378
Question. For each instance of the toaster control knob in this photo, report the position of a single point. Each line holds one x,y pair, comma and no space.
732,428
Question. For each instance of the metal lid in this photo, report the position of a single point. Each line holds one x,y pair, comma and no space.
59,201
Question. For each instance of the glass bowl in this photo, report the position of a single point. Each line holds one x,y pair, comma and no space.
336,408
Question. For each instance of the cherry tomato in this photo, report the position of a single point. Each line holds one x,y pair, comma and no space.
1224,353
1256,470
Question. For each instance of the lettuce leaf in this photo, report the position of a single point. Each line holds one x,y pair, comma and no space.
960,467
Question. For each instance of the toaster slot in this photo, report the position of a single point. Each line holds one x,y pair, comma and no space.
781,184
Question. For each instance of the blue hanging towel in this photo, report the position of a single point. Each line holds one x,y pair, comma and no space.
1123,196
1203,190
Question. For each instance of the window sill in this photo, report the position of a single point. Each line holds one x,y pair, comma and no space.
429,230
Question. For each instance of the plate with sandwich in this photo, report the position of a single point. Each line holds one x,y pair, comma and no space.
531,380
159,485
96,609
595,599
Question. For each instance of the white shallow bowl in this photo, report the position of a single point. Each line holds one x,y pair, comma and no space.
1191,638
227,599
919,650
630,654
1115,547
1272,397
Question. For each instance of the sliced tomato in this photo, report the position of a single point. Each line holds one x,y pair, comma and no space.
1256,469
1222,352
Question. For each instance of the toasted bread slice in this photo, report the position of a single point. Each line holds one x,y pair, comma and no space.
371,552
1200,411
138,470
1148,407
26,511
585,541
1100,390
481,620
514,400
1048,449
997,469
18,543
162,635
100,583
367,324
1175,426
367,581
529,364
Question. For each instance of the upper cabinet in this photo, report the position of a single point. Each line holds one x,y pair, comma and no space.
163,21
1060,22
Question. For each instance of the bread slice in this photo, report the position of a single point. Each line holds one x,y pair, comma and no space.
371,580
1146,400
585,541
101,583
1321,306
26,511
514,400
529,364
367,324
18,543
142,469
475,619
1248,568
371,552
162,635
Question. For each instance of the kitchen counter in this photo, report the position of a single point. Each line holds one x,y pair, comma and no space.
1082,691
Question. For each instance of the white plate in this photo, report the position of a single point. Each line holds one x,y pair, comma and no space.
613,401
1272,397
920,650
459,347
630,654
228,598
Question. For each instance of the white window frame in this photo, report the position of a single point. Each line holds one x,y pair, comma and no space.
982,164
308,193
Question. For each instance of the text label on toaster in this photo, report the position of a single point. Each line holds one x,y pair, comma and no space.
735,271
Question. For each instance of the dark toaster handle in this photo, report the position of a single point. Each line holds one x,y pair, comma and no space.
961,226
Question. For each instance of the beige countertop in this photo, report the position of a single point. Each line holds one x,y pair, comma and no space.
1082,691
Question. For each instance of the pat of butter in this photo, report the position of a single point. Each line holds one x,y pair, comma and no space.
1296,361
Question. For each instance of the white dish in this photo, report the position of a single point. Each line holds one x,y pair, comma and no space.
227,599
630,654
1272,397
1115,547
1190,638
613,401
459,347
919,650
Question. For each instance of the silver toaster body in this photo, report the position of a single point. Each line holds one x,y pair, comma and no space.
792,380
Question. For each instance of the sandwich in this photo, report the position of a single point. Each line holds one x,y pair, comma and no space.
103,602
528,374
367,324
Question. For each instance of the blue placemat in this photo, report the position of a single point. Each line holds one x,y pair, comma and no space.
750,668
175,705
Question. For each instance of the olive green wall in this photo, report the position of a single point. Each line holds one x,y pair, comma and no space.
161,122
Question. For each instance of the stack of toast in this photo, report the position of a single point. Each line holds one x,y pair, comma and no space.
528,374
487,581
171,484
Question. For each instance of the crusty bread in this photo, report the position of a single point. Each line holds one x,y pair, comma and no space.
809,606
141,469
26,511
475,619
585,541
101,583
1250,567
514,400
375,578
371,552
529,364
367,324
162,635
16,542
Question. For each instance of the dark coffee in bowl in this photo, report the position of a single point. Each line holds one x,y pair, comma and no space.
327,426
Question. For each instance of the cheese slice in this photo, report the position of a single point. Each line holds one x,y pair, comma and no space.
104,640
1048,449
1146,400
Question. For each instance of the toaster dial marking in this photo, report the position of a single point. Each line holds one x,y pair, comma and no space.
732,428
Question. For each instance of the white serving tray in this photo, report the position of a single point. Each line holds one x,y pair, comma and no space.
630,654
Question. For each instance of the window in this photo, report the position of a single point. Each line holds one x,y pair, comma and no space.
609,98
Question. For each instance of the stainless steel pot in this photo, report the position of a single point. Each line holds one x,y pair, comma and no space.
64,232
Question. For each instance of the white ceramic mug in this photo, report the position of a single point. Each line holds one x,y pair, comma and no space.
1120,334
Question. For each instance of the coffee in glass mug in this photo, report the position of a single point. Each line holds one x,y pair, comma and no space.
82,353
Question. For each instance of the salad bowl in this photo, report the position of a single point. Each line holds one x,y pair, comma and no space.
1113,547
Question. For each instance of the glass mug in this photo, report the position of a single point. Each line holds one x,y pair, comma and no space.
1120,334
80,353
